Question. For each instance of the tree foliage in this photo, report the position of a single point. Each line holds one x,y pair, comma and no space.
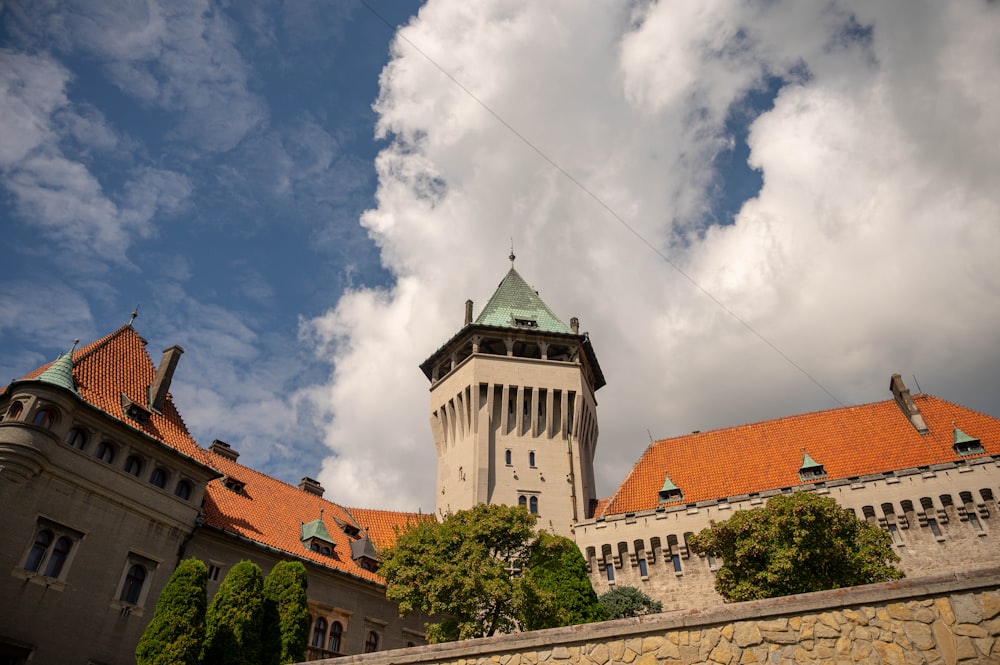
794,544
174,636
460,569
625,601
558,576
285,627
234,619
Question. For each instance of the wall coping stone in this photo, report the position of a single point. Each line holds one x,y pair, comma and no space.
815,602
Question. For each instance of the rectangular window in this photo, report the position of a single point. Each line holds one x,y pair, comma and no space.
676,559
894,532
643,570
974,520
935,529
214,568
611,572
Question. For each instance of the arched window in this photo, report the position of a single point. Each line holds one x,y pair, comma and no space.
531,459
58,558
14,411
371,644
76,438
38,550
507,457
159,477
183,489
533,505
106,452
133,465
336,631
319,632
134,580
44,418
522,501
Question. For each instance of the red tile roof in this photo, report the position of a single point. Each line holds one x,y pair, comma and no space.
848,442
382,525
266,510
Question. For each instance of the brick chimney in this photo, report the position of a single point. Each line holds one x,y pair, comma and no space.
164,374
574,325
906,404
468,312
311,486
223,449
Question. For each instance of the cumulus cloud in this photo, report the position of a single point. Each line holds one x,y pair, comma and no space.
868,250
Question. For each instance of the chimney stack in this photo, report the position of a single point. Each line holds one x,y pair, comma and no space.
223,449
574,325
468,312
906,404
164,374
311,486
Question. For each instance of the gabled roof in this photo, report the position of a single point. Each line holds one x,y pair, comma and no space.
851,441
117,365
514,301
382,525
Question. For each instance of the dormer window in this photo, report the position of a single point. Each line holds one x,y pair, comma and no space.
965,444
315,537
525,323
233,485
670,492
135,411
810,470
364,554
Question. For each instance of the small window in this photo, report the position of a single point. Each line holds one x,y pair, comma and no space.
14,411
159,477
319,633
336,631
531,459
507,457
134,581
522,501
371,644
676,560
643,570
44,418
213,571
526,323
59,554
133,465
611,572
43,539
50,552
76,438
106,452
533,505
183,489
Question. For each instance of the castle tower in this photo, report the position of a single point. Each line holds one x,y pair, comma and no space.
513,410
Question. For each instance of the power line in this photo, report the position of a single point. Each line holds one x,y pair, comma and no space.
586,190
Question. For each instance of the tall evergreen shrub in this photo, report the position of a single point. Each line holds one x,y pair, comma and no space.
286,614
176,633
234,619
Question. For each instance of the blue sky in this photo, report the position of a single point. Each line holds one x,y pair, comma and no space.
303,197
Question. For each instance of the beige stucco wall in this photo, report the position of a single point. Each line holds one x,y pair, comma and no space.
941,619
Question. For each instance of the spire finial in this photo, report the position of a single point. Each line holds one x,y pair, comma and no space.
135,313
511,257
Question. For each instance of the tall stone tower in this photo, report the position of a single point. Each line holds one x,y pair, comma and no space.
513,410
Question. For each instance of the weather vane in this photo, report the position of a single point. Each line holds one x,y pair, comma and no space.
135,313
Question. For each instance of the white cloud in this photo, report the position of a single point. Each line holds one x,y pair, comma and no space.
869,250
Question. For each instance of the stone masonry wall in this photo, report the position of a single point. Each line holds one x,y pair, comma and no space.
942,619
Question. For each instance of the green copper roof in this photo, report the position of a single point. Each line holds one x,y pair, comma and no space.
668,486
809,462
961,437
316,529
516,305
60,372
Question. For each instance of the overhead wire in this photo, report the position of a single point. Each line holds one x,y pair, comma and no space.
611,211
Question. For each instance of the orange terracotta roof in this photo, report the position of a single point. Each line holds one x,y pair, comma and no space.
119,364
382,525
271,512
848,442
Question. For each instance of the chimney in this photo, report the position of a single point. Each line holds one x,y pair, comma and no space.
164,373
574,325
223,449
468,312
311,486
906,404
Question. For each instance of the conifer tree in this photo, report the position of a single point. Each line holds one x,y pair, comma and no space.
562,589
234,619
286,614
176,633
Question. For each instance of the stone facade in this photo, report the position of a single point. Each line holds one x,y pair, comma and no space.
937,620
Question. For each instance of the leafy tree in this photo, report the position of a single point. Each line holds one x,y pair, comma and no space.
625,601
558,576
175,635
796,543
233,621
286,614
461,569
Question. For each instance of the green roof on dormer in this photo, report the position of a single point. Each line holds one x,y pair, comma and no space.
958,436
517,305
809,463
60,372
316,529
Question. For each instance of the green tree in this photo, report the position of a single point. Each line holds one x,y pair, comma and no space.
558,576
796,543
233,621
625,601
175,635
286,614
461,569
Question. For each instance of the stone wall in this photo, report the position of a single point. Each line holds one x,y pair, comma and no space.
941,619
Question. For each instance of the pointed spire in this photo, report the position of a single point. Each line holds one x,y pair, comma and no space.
516,305
60,372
